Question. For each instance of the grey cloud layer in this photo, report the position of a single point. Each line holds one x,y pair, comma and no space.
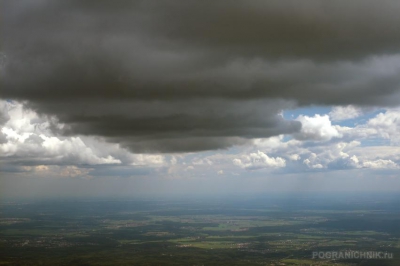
176,76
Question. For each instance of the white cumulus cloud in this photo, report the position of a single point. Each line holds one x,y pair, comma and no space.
27,137
340,113
259,160
316,128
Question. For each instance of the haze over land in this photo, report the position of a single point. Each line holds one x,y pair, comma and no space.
136,98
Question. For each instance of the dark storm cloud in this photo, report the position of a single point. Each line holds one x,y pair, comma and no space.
190,125
194,75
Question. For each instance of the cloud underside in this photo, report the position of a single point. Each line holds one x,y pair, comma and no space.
196,75
28,146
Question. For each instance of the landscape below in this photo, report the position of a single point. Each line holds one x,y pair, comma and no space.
262,230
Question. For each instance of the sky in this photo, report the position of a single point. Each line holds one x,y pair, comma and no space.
146,98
